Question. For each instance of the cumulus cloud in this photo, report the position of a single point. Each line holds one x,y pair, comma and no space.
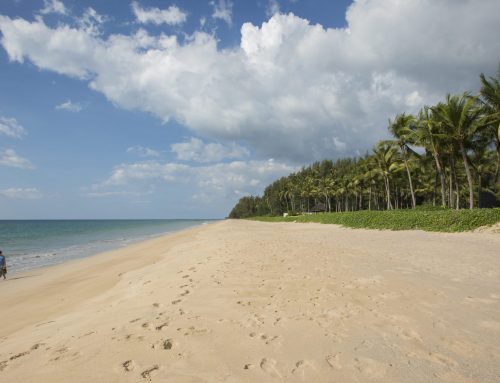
21,193
223,10
9,158
53,6
11,128
171,16
199,151
291,90
141,151
150,170
70,106
223,181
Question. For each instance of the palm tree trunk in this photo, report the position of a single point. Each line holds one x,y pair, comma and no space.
434,190
469,177
370,198
388,192
413,200
450,183
454,178
497,169
439,168
479,190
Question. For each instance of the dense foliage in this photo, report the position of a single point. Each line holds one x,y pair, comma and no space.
448,155
445,220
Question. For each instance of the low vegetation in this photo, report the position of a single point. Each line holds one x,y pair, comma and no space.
444,220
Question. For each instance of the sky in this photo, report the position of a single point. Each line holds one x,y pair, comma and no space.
161,109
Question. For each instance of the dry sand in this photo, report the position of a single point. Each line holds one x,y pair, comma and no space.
240,301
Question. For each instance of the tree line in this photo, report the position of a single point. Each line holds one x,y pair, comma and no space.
447,155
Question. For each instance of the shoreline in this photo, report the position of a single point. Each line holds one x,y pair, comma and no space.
106,245
72,270
251,301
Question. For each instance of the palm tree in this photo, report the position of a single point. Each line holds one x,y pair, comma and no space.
459,115
401,128
385,153
428,135
490,99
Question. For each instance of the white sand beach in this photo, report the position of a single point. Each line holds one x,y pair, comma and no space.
242,301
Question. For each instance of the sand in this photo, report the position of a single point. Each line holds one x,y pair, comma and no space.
240,301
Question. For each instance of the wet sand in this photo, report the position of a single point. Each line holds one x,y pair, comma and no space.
242,301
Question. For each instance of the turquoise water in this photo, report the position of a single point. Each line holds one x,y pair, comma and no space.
31,244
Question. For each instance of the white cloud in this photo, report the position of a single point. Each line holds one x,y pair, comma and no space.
150,170
230,181
223,10
11,128
70,106
21,193
273,7
117,193
291,90
91,21
198,151
53,6
171,16
141,151
220,181
9,158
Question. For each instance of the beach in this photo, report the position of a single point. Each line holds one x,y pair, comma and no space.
245,301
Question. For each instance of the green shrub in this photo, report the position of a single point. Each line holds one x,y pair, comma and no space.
444,220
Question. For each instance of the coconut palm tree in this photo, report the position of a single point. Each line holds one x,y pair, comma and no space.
459,115
490,100
401,128
429,136
385,154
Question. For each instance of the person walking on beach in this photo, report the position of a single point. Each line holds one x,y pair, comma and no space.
3,266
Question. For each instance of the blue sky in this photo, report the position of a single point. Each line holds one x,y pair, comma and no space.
160,109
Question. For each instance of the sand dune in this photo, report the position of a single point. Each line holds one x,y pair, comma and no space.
240,301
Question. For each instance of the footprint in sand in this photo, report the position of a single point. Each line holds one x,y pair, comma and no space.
334,361
146,374
442,359
128,365
161,326
269,367
302,367
167,344
409,334
269,339
176,301
186,292
370,368
194,331
20,355
36,346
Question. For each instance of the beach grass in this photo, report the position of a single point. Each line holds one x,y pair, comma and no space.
442,220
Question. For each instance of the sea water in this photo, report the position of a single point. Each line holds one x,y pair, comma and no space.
31,244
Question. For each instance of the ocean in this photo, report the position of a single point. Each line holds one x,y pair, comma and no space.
31,244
